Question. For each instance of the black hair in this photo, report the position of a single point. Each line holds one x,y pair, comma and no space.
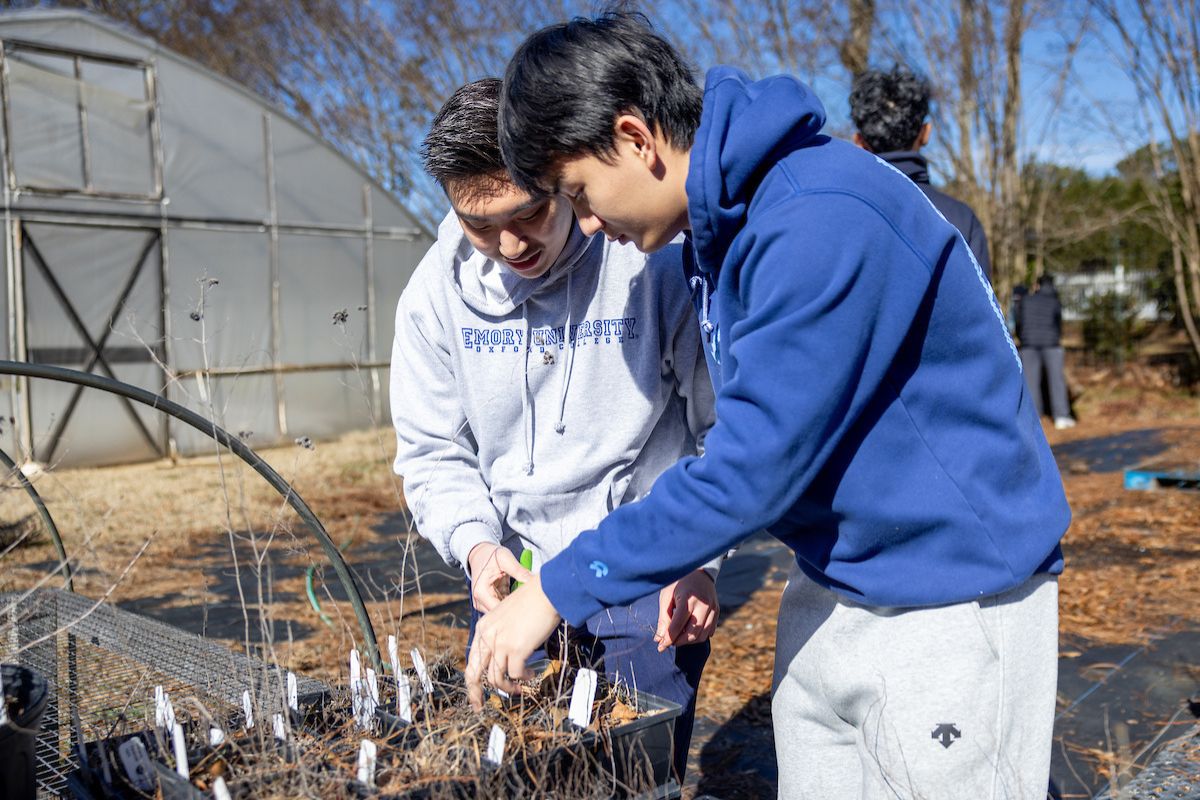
567,84
462,145
889,108
1045,279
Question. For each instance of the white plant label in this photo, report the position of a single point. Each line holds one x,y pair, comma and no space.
366,762
280,729
356,692
137,765
3,703
164,712
404,698
293,692
247,709
220,790
371,701
495,748
403,692
582,697
216,737
422,672
181,759
394,657
160,707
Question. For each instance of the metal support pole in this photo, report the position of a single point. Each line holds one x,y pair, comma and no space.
241,450
44,513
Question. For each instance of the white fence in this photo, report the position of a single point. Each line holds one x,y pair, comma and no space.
1077,289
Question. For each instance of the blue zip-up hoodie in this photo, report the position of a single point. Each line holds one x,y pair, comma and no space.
871,411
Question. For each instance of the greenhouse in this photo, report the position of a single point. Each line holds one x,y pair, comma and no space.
165,227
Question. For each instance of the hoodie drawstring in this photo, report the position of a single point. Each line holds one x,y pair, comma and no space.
561,426
698,282
526,417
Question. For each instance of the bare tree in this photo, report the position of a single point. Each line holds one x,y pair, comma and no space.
1157,45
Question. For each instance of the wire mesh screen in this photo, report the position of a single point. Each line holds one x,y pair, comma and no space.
103,664
1174,774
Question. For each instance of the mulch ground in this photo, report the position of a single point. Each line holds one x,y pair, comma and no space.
1133,558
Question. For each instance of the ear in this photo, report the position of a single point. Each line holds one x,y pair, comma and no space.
632,135
923,136
858,139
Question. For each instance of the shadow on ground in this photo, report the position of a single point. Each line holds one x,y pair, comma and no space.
1112,453
377,563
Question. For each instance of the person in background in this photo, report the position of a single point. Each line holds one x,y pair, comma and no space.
891,110
1019,293
1039,328
541,377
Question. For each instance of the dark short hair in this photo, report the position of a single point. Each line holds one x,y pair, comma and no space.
1045,279
889,108
462,144
567,84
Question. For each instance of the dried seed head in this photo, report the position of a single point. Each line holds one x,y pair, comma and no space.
341,317
306,443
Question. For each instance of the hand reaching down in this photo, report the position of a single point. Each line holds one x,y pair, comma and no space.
687,611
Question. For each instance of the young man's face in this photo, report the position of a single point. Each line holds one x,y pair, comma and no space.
509,227
624,199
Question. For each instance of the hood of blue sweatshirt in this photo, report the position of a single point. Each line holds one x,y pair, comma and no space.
871,410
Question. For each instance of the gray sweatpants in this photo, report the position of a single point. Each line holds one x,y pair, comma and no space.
948,702
1035,361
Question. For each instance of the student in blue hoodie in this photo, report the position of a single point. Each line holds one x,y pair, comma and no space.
871,414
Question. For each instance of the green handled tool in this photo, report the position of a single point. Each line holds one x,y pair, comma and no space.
527,563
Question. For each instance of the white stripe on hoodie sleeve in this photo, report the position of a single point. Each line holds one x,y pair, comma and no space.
435,450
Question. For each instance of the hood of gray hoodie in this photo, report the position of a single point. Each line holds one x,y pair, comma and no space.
526,410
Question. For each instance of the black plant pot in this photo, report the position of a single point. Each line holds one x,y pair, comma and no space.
25,696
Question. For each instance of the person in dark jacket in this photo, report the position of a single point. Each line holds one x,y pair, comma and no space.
1039,327
890,109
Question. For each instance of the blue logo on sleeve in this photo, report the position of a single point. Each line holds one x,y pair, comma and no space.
599,567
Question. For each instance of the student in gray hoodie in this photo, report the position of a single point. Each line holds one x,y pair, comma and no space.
541,378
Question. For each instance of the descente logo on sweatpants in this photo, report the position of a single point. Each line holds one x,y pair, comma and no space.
614,330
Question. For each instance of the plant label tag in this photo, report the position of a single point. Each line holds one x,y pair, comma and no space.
160,707
495,748
356,692
366,762
394,657
220,790
181,759
247,710
404,698
371,701
582,697
216,737
164,712
279,728
293,695
422,672
136,762
3,704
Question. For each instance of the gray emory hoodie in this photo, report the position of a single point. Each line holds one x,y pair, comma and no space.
526,410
